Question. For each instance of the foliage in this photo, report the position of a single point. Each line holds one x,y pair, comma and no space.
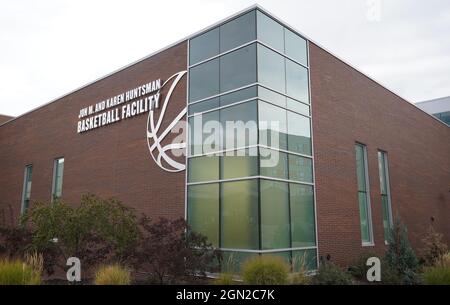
171,251
400,256
434,247
330,274
265,270
359,268
16,272
112,275
224,279
444,261
437,275
93,231
299,278
14,241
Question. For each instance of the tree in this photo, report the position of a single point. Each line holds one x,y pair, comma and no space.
95,230
170,250
400,255
434,247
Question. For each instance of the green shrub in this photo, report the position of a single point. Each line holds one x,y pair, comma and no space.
224,279
265,270
330,274
437,275
112,275
400,255
18,273
359,268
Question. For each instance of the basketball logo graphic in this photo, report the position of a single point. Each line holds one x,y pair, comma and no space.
161,153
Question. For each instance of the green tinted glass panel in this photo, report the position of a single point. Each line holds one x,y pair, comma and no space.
302,215
238,96
270,32
238,68
272,97
299,133
300,168
240,126
204,80
240,163
296,47
360,168
271,69
297,106
203,210
204,133
382,171
204,168
273,163
204,46
297,81
304,260
386,215
233,260
274,215
272,125
239,212
204,106
238,31
363,216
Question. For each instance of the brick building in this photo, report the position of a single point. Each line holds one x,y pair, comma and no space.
350,154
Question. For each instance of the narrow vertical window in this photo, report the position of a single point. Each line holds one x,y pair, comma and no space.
363,194
385,193
58,170
26,188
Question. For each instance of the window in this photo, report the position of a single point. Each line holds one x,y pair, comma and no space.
272,97
204,46
296,47
238,96
363,194
271,69
238,68
204,133
27,188
297,81
238,31
298,107
205,168
274,215
57,178
204,80
300,168
273,163
270,32
240,163
203,210
204,106
239,214
239,125
302,215
272,126
385,193
299,133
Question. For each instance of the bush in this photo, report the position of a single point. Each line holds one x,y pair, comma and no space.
434,247
437,275
265,270
444,261
112,275
359,268
224,279
400,256
18,273
330,274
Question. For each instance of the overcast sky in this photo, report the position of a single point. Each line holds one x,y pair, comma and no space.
50,47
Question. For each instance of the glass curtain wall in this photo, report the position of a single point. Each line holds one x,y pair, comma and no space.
250,169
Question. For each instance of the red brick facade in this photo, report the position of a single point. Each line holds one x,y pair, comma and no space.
108,161
4,118
348,107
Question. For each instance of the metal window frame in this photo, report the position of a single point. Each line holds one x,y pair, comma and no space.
384,155
371,242
54,182
24,188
